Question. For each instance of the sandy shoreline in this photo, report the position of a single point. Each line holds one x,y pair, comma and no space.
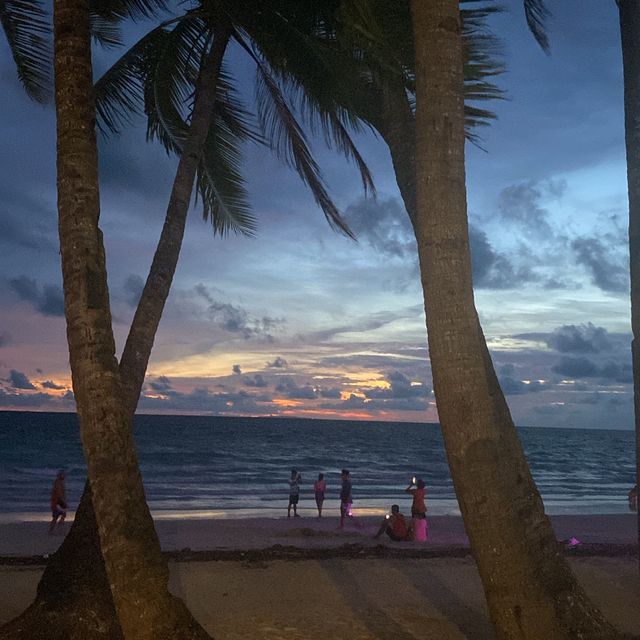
31,538
399,594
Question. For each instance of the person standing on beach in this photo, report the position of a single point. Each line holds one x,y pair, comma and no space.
58,502
418,508
346,501
294,493
319,489
633,498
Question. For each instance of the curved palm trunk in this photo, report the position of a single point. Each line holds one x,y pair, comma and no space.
530,591
629,11
136,571
74,599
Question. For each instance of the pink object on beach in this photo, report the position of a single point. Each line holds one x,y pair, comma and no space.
420,532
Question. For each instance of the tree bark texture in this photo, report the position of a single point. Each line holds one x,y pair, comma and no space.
629,11
136,571
530,591
66,571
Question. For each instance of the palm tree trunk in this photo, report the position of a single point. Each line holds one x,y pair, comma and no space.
531,593
68,591
136,571
629,11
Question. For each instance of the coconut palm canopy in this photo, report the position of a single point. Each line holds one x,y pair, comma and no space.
300,320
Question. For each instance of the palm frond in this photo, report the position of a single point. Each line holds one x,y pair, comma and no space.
536,14
220,185
169,81
117,10
308,78
120,90
28,32
288,141
105,32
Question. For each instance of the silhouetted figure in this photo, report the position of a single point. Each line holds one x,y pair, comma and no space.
394,525
633,498
319,489
58,502
419,526
294,493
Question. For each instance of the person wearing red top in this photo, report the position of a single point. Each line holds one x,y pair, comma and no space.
58,502
417,490
394,525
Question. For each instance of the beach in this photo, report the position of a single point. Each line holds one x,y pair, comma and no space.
290,579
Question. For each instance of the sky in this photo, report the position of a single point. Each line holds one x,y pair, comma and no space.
301,321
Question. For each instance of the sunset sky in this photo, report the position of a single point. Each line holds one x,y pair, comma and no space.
299,321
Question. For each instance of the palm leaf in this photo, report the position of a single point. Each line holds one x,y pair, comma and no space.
28,32
287,139
536,14
118,10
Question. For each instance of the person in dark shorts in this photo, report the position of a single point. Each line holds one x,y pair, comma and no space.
58,502
294,493
394,525
319,489
633,498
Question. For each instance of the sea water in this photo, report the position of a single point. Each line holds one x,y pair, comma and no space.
203,466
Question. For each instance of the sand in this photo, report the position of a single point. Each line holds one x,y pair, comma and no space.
410,591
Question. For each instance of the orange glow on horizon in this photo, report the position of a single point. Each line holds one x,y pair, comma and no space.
286,402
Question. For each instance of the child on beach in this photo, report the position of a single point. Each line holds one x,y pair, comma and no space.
58,502
294,493
633,498
319,488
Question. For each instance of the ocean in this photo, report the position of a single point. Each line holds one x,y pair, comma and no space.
202,466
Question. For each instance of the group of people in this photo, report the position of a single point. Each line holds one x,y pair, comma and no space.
319,491
394,524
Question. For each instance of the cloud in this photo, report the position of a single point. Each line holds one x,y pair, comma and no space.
26,399
161,384
235,319
255,381
203,400
291,390
19,380
400,386
385,225
333,393
582,367
236,369
520,204
49,301
585,338
49,384
491,269
599,256
133,287
278,363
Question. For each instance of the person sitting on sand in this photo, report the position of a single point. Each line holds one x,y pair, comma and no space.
633,498
319,488
58,502
394,525
294,493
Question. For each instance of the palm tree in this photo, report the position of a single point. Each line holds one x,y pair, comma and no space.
152,71
136,571
629,13
530,590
